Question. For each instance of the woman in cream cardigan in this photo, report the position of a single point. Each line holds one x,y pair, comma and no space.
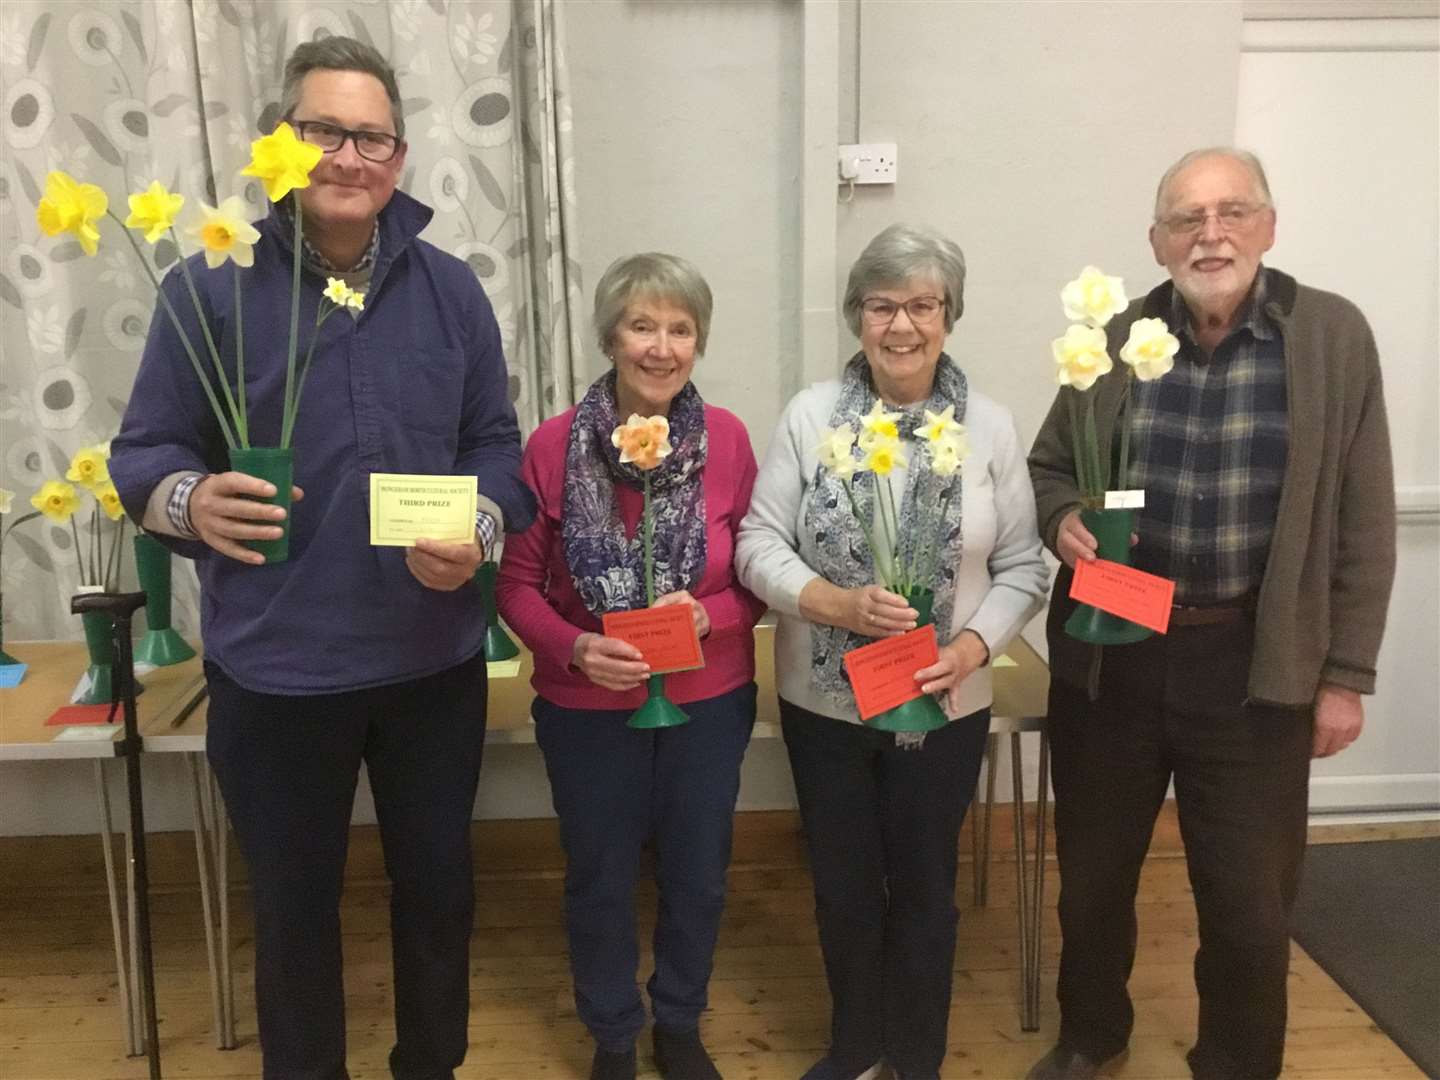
882,812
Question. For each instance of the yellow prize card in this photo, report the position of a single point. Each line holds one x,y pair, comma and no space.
406,508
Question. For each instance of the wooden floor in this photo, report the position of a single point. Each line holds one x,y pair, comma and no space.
767,1017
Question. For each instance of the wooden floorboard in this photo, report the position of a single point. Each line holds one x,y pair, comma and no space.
768,1010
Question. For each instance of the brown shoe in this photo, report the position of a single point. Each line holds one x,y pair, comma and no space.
1065,1063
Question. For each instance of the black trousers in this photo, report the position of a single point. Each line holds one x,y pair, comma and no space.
288,767
1175,708
883,828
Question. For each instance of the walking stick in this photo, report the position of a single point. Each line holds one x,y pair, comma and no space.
121,607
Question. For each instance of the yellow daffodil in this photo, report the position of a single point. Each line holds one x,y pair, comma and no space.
225,234
356,300
643,441
878,425
57,500
104,448
1150,350
940,425
336,291
946,454
70,206
883,457
154,210
1080,356
88,468
1094,297
7,497
282,162
834,451
109,500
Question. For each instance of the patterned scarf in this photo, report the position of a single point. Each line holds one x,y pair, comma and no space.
607,569
842,555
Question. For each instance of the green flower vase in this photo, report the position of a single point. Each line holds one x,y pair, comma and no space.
101,647
498,644
658,710
278,467
922,713
161,646
1111,529
5,658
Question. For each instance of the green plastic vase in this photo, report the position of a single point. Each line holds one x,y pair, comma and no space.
5,658
162,645
1111,529
277,466
498,644
101,648
658,710
922,713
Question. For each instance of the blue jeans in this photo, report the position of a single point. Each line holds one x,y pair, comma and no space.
613,789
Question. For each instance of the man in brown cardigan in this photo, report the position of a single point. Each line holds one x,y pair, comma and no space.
1269,500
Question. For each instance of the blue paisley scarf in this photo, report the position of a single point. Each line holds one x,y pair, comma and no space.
608,570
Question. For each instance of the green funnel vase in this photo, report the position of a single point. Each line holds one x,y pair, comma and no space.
1112,529
5,658
498,644
658,710
277,466
161,646
922,713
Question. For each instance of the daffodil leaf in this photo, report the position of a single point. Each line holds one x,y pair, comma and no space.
488,184
10,294
73,329
133,25
27,181
38,555
228,13
362,32
507,53
37,40
168,104
69,251
97,139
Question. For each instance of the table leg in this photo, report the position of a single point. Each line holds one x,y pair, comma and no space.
202,862
982,883
1037,910
137,1020
221,848
1022,887
107,842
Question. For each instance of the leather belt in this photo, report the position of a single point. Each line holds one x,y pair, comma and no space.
1213,615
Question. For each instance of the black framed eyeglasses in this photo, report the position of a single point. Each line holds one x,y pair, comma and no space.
371,145
878,311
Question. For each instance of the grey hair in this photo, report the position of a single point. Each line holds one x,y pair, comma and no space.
1234,153
656,275
898,254
337,53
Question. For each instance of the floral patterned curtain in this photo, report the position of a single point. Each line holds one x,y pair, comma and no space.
123,92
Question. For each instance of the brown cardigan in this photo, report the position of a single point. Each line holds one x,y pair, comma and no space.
1321,609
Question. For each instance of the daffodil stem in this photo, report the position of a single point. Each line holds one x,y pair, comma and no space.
648,524
96,545
180,332
869,536
112,564
1123,419
214,352
935,545
1077,442
294,323
244,419
891,525
79,559
294,408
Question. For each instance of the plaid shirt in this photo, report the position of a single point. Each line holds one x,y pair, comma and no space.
1208,445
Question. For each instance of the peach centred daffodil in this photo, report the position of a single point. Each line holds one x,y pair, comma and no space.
57,500
73,207
1080,356
88,468
224,233
1094,297
1150,350
878,426
834,451
643,441
282,162
154,210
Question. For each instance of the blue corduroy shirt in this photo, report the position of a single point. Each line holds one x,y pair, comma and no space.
416,384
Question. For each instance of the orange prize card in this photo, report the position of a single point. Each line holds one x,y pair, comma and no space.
664,635
883,674
1124,591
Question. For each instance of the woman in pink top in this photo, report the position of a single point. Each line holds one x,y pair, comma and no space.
615,787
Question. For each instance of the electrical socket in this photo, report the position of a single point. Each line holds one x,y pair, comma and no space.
869,163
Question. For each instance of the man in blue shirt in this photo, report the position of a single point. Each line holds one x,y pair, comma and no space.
346,652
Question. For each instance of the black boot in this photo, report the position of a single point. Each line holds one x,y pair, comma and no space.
613,1064
680,1055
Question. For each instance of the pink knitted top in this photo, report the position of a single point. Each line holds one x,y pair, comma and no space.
538,600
